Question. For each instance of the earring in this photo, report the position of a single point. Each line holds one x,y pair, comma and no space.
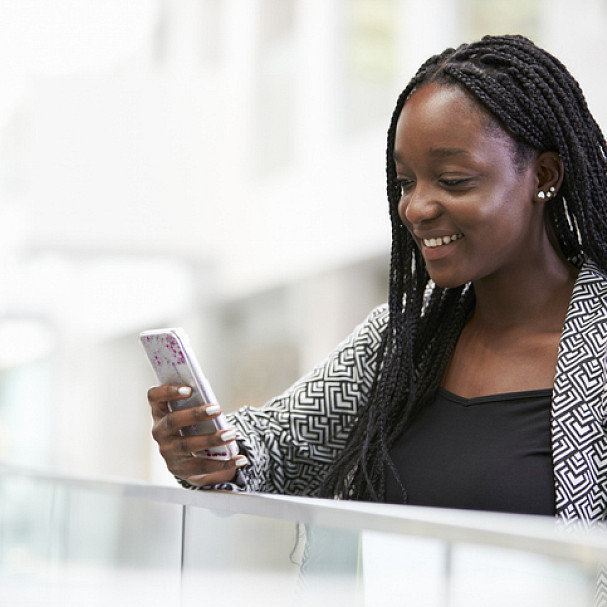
541,195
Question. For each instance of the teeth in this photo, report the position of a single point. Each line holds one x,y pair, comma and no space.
437,242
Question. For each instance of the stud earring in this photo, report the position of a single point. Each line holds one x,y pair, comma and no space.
551,192
541,195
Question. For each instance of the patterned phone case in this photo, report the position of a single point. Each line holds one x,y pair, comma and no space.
173,361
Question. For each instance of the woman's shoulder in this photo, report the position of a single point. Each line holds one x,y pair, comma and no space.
592,279
587,314
374,325
364,341
379,315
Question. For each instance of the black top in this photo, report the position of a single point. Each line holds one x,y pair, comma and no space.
487,453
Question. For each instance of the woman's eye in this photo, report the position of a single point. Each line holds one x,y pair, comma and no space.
404,185
454,183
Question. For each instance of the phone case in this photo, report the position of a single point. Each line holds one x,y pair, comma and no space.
174,362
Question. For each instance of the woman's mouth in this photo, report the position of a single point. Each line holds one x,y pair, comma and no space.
432,243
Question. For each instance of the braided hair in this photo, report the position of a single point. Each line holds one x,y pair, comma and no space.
535,99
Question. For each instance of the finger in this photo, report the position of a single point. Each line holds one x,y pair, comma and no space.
159,396
175,445
196,415
171,423
201,443
184,465
177,453
225,474
195,443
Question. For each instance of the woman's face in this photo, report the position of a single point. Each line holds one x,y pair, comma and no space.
468,205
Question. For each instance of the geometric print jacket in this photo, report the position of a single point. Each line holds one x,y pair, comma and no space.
579,403
292,441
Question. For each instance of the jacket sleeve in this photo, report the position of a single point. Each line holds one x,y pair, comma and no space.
293,439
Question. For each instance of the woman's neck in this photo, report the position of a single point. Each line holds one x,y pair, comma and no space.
537,295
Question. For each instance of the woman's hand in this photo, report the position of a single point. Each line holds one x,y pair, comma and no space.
179,451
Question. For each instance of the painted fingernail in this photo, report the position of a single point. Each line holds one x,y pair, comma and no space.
228,435
184,391
212,409
240,461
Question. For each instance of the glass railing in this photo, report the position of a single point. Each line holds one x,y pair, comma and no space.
68,541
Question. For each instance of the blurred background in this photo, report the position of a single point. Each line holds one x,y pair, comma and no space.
211,164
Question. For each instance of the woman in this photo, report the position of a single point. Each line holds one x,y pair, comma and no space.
482,383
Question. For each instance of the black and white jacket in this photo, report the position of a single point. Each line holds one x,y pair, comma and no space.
293,440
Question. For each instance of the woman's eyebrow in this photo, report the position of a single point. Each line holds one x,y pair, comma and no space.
437,153
447,152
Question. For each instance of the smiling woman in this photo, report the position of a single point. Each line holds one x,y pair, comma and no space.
462,391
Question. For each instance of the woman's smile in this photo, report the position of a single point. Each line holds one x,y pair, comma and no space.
441,241
438,247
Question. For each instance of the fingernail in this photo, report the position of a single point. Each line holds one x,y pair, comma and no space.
184,391
228,435
212,409
240,461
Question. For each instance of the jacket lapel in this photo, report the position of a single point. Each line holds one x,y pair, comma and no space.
579,445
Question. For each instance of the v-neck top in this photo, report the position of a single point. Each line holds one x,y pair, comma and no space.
487,453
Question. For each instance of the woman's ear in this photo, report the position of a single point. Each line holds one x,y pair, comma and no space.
549,176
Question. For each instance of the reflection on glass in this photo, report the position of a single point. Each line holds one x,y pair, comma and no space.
68,546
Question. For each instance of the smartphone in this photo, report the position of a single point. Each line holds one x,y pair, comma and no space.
174,362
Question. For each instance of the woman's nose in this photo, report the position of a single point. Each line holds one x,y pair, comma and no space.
418,206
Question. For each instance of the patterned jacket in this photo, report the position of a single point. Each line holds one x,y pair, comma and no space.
292,440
